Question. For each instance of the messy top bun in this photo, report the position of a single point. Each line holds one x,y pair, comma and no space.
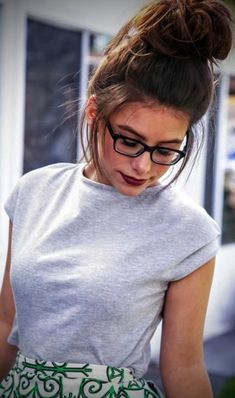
180,28
163,55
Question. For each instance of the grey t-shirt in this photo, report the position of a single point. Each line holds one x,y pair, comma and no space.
90,266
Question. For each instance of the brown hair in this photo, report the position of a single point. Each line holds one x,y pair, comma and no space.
163,55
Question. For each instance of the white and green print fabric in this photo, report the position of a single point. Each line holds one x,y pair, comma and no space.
42,379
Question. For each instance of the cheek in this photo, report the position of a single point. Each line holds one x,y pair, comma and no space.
113,160
160,170
109,156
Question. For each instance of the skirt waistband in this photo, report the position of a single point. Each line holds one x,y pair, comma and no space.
75,370
45,379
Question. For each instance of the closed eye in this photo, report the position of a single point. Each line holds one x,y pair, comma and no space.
165,151
128,142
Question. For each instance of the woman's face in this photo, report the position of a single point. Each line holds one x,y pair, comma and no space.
152,125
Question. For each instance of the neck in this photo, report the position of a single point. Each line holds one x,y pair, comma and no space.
91,173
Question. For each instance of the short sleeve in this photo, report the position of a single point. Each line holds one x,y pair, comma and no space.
195,238
10,204
197,259
28,186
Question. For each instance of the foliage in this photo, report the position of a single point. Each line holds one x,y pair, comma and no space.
228,390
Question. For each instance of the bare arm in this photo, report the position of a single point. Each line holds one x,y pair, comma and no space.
182,361
7,311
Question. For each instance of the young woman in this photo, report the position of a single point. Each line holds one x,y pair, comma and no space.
100,252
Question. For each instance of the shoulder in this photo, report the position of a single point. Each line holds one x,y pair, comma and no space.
52,171
40,185
47,177
189,214
191,232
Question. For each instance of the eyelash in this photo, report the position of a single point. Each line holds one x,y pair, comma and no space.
163,152
129,142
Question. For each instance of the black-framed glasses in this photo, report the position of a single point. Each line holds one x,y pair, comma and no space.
130,147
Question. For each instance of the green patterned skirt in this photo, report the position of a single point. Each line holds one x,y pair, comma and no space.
38,379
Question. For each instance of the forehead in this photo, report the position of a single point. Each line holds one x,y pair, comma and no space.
152,120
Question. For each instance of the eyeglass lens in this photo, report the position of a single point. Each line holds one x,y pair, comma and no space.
134,148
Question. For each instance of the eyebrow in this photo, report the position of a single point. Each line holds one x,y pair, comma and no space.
131,130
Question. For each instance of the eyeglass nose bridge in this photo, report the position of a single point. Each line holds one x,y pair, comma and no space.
146,148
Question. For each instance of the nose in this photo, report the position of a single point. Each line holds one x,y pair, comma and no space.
142,164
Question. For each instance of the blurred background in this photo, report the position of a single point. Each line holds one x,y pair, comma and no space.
48,48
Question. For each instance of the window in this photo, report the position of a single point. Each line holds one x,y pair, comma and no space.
220,170
97,43
55,78
52,90
228,229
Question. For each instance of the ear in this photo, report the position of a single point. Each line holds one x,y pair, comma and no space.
91,109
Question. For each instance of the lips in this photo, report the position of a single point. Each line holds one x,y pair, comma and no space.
132,181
